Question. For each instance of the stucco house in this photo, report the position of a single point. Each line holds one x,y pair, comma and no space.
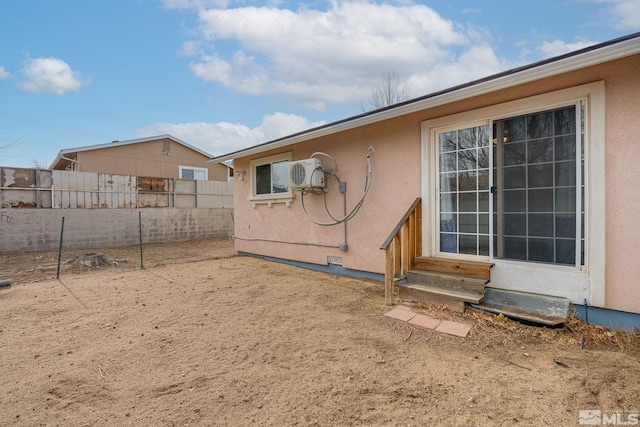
529,177
162,156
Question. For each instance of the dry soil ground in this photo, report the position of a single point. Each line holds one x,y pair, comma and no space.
202,337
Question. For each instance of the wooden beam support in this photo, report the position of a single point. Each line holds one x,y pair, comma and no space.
411,262
405,261
389,274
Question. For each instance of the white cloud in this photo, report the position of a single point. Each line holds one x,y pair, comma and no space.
625,13
223,137
477,62
191,48
559,47
51,75
4,73
334,55
193,4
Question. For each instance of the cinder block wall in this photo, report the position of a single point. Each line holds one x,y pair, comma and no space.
39,229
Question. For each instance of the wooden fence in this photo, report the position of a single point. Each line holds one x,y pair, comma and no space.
41,188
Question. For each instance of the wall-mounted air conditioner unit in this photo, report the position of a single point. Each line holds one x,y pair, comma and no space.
306,174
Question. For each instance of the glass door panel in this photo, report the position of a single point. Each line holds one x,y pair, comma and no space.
463,161
535,179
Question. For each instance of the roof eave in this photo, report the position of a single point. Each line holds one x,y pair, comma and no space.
55,161
628,46
66,151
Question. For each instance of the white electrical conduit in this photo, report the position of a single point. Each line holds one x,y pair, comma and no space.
358,205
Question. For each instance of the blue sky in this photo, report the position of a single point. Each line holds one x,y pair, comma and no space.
223,74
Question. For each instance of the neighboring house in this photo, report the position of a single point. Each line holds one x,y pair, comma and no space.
533,170
162,156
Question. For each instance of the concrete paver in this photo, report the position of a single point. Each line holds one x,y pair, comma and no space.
425,321
405,314
453,328
400,314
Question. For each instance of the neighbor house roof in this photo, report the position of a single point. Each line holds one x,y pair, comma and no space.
592,55
71,151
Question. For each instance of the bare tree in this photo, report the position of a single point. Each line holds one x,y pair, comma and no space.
38,164
388,91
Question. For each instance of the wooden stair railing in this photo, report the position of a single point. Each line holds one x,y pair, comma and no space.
401,248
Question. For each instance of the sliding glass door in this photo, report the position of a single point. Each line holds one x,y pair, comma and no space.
526,174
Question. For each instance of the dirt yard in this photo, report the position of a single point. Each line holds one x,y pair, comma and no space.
202,337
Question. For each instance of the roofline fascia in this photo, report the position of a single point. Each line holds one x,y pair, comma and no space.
65,151
526,74
56,160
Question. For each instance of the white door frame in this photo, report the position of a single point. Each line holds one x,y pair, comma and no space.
571,282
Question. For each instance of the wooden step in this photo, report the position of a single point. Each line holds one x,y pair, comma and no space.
452,298
457,294
470,284
445,281
454,266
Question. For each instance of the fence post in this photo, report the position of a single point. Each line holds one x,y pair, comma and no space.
140,228
60,249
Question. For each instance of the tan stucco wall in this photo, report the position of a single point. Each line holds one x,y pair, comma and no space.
395,161
397,182
147,159
623,191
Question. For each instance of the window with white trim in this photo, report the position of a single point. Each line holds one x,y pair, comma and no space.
189,172
270,180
